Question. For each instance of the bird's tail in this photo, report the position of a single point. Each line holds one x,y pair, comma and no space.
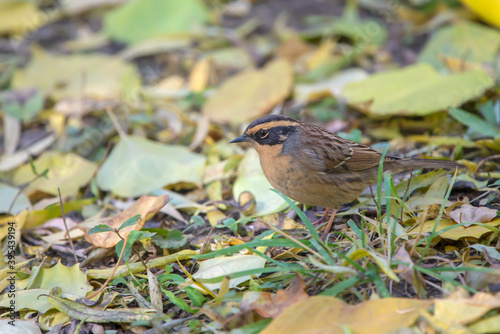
430,164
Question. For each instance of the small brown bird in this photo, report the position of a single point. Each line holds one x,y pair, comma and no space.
316,167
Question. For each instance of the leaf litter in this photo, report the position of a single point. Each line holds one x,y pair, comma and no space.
127,110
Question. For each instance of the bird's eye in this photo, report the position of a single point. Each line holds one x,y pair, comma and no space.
263,133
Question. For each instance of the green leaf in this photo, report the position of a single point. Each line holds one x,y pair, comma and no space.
139,20
474,122
131,221
133,237
172,240
195,296
491,251
231,224
177,301
23,110
467,43
147,166
100,228
415,90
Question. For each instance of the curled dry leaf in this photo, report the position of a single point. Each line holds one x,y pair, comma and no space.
270,305
146,206
468,213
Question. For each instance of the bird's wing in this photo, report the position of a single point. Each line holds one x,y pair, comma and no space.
335,154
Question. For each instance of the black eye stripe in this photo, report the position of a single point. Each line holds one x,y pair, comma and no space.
273,136
263,133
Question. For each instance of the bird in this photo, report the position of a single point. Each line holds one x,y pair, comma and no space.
316,167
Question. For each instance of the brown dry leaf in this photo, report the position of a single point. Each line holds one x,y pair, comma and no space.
146,206
407,272
293,48
270,306
250,94
479,280
460,309
329,315
473,214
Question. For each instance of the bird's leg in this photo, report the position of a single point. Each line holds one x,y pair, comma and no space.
329,225
322,219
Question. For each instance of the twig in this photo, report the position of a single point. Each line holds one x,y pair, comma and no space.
482,162
66,225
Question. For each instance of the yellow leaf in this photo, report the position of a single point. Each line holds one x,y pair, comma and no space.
322,55
462,310
250,94
215,216
67,171
381,262
488,10
198,78
321,314
95,76
19,17
460,231
488,325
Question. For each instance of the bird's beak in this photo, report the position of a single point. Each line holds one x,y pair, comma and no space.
241,139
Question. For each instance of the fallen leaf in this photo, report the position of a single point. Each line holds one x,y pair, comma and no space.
329,315
146,206
415,90
470,44
67,171
459,231
458,309
93,76
224,266
271,305
488,325
8,195
139,20
71,280
250,94
479,279
82,312
333,86
487,250
20,327
198,78
252,179
468,213
148,166
19,17
11,161
12,133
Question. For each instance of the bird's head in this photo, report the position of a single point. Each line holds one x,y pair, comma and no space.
270,133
